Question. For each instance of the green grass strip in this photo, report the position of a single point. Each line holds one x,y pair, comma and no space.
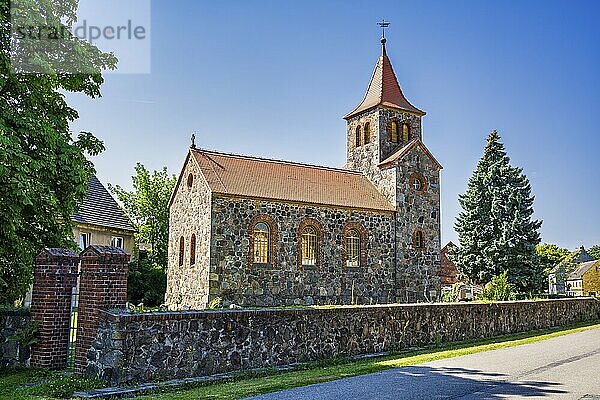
246,385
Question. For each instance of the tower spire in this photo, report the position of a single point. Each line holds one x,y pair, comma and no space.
384,89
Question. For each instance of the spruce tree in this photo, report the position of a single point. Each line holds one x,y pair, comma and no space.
495,227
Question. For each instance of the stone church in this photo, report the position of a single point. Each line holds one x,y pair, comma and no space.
260,232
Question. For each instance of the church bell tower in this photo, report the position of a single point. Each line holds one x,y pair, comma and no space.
385,143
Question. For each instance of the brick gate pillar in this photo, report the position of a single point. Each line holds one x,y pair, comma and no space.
54,278
102,285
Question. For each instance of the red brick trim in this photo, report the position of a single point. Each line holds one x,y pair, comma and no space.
273,239
319,228
418,176
363,243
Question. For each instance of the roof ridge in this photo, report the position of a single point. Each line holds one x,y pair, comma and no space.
272,160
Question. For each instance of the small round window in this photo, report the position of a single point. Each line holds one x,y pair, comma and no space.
417,182
190,181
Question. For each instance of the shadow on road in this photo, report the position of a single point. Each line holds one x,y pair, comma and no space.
421,382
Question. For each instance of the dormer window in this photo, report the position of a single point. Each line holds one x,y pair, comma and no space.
405,132
394,132
357,136
367,133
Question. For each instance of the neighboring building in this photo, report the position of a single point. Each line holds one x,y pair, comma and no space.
101,221
261,232
449,272
584,280
558,275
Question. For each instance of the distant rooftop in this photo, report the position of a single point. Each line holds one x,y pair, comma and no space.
101,209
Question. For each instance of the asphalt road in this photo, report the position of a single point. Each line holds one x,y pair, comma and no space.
567,367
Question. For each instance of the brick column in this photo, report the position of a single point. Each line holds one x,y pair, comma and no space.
102,285
54,278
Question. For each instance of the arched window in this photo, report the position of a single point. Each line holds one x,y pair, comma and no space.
193,249
357,136
309,246
418,241
262,243
405,132
367,133
181,250
352,248
394,132
190,181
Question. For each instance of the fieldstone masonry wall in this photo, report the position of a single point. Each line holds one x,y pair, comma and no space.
13,353
238,281
187,284
417,269
143,347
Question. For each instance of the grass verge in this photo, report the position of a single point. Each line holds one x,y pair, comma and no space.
248,385
15,383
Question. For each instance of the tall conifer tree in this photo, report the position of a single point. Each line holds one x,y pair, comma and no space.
495,228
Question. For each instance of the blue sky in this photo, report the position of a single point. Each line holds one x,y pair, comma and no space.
274,78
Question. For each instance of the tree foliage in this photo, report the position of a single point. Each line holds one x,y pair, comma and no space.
550,255
594,251
147,206
43,170
495,227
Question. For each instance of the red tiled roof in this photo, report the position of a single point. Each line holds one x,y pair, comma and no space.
287,181
405,150
448,272
384,90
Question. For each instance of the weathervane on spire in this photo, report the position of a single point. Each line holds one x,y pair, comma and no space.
383,24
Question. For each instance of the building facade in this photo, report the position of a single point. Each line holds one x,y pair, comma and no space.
584,280
558,276
260,232
100,221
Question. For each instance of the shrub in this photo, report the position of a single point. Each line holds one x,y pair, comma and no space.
498,289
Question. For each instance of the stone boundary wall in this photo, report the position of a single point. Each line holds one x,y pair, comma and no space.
12,353
159,346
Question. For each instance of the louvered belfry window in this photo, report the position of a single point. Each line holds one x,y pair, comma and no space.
309,246
353,249
394,132
367,133
405,132
262,238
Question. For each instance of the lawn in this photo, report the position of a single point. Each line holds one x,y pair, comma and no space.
57,385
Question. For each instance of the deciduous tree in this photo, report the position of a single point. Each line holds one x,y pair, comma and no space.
43,169
550,255
147,205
